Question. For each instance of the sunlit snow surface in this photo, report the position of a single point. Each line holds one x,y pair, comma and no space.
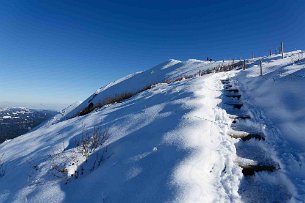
169,143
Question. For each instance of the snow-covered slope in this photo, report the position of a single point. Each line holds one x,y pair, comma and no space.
278,98
169,70
169,143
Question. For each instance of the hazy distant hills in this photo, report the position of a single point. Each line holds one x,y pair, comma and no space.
19,120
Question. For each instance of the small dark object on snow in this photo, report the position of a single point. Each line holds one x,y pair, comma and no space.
226,81
234,96
237,106
251,169
227,86
232,90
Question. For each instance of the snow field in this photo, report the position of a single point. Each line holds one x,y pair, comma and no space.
171,143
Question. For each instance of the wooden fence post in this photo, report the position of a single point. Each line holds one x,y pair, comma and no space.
261,67
282,49
244,65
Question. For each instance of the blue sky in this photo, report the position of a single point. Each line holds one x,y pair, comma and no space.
60,51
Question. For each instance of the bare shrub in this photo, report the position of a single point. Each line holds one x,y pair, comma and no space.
117,99
60,169
87,110
59,163
121,97
91,146
180,78
88,153
222,68
90,141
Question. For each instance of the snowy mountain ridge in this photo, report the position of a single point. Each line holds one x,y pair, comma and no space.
169,70
230,136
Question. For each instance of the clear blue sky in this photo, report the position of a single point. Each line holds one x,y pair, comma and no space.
60,51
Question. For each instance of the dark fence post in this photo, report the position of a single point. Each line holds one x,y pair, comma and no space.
282,49
261,67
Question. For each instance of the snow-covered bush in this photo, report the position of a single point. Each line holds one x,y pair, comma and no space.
87,154
59,163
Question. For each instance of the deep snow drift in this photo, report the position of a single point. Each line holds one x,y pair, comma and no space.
169,142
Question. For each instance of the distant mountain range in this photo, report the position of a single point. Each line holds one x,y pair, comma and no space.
19,120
